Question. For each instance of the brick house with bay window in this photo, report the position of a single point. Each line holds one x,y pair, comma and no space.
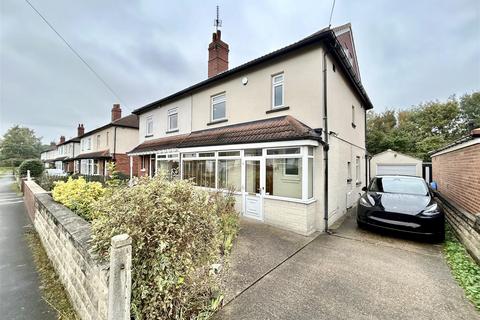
285,131
108,143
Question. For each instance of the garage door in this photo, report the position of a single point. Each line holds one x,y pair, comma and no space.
405,169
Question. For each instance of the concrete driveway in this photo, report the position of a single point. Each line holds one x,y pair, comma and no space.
352,274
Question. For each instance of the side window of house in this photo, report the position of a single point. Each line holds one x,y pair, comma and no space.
108,136
219,103
357,170
353,117
349,172
98,142
149,126
89,143
172,119
277,91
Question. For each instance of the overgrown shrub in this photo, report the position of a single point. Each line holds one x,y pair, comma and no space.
78,195
224,205
47,182
35,166
177,238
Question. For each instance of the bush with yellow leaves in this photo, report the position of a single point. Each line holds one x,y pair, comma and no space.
79,195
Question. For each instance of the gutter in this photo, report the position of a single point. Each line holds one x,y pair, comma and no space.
326,145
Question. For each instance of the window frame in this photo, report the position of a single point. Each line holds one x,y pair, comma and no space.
171,112
277,84
224,94
148,121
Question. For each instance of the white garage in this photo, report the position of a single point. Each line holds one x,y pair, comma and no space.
392,162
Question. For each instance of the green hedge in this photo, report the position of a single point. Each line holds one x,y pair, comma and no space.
35,166
179,233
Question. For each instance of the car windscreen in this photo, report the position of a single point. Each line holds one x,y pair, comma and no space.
399,185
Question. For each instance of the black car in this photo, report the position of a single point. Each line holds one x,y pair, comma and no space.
401,203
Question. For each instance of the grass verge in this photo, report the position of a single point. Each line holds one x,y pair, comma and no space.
53,291
464,269
6,170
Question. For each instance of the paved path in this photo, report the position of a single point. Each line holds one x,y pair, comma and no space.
19,286
353,274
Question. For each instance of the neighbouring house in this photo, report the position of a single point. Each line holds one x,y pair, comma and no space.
68,150
456,170
48,155
108,143
393,162
285,131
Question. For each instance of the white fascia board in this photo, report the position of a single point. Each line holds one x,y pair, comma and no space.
275,144
458,146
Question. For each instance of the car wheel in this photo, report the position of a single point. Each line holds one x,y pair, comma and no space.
439,237
360,224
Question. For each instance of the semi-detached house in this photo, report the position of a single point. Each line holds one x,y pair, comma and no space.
285,131
108,143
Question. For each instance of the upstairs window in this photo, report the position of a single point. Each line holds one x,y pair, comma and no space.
149,126
277,91
218,107
98,142
172,119
89,143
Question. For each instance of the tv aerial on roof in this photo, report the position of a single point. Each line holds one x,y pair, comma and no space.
217,23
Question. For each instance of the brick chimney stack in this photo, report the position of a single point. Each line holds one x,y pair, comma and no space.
62,139
217,55
80,130
116,112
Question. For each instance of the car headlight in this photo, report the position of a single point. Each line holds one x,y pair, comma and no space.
431,210
367,201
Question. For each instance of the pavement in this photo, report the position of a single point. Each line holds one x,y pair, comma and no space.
20,296
352,274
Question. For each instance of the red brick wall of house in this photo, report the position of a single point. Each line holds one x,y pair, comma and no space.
122,162
143,161
457,174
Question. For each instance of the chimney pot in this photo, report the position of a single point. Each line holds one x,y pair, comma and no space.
116,112
80,130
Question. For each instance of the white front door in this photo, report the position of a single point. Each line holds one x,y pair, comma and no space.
253,184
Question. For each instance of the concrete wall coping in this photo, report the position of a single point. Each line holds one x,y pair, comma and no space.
77,228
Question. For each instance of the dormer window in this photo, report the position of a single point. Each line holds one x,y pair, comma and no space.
277,91
219,107
149,126
172,119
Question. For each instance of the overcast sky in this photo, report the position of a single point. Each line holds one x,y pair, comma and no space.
408,51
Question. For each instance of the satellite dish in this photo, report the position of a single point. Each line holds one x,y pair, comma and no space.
244,81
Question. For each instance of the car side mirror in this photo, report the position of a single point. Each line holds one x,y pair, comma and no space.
364,188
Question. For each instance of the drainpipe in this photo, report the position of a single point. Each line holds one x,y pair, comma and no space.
114,142
325,146
367,158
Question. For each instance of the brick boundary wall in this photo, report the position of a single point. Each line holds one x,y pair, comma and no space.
457,174
466,225
96,290
122,162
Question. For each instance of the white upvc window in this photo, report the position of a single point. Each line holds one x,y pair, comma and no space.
277,91
98,142
218,107
149,126
172,118
89,143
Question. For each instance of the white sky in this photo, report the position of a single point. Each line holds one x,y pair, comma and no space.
409,51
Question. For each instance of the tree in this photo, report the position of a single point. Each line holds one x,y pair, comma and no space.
423,128
470,110
19,144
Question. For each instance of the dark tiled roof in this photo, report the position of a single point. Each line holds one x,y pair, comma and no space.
76,139
104,154
59,158
130,121
159,144
326,35
267,130
49,148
